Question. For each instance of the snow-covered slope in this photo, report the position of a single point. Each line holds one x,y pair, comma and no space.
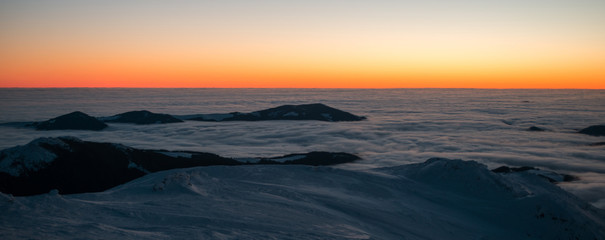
437,199
30,157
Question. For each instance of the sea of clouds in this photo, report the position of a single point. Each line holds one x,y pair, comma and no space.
403,126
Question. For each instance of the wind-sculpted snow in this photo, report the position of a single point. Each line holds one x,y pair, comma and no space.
437,199
72,166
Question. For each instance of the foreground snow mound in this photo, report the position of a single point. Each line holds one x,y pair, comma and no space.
430,200
463,177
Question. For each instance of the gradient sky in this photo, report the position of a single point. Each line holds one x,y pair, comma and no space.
312,43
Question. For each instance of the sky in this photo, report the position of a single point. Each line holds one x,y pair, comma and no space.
306,44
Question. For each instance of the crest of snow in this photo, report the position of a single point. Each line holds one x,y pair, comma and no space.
468,177
121,147
177,154
291,114
289,158
136,166
327,116
30,157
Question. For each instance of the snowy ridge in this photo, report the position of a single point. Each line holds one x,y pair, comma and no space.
302,202
74,166
30,157
466,177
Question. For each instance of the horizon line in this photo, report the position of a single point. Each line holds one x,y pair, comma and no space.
351,88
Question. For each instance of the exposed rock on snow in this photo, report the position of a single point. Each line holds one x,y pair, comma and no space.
315,111
312,158
596,130
75,120
74,166
141,117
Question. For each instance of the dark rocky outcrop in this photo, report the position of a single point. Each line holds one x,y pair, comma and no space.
550,176
71,165
316,111
75,120
312,158
596,130
536,129
142,117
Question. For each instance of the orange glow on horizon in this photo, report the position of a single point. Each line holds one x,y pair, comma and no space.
278,67
303,44
275,74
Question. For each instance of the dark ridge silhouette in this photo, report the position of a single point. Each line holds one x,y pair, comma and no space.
552,177
597,144
81,121
316,111
312,158
75,120
142,117
536,129
596,130
72,166
506,169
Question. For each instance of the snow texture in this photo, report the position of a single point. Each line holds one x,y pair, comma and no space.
31,157
437,199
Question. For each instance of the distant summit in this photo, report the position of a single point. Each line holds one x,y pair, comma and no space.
142,117
81,121
536,129
74,121
315,111
595,130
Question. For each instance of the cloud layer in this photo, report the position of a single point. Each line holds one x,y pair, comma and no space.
403,126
